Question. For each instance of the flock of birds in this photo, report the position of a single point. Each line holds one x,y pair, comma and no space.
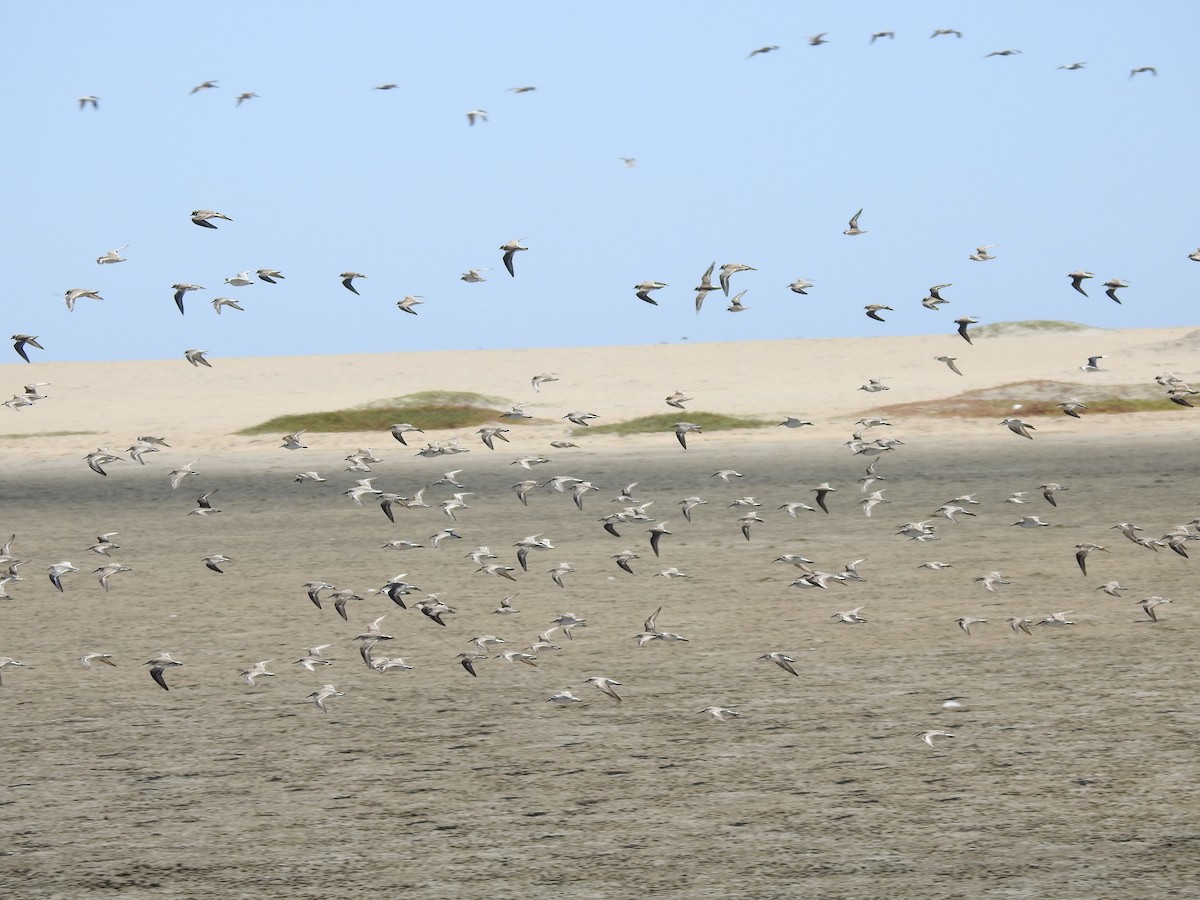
817,40
205,217
634,511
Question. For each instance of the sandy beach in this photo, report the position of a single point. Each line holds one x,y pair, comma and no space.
1069,771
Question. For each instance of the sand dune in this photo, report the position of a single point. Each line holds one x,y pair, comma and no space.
814,379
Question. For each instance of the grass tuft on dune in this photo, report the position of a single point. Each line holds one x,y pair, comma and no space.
1037,398
428,410
996,329
666,422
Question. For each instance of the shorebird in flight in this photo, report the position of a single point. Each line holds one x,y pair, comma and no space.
319,697
112,256
1111,288
981,253
605,685
1140,69
348,280
204,217
963,322
681,432
645,287
94,101
245,95
1077,278
928,736
754,53
721,713
1016,426
181,289
854,229
77,293
782,660
728,270
473,115
158,665
204,86
511,249
950,363
965,623
705,287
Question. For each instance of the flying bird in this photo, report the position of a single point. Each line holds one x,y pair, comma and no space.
158,665
348,280
1077,278
1140,69
511,249
1016,426
480,114
644,288
74,294
203,86
705,287
854,229
57,571
112,256
204,217
950,362
1112,286
94,101
181,289
962,322
21,340
754,53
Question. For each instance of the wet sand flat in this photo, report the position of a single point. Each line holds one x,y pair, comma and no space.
1072,771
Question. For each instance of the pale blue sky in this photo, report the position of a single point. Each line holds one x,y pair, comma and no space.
759,161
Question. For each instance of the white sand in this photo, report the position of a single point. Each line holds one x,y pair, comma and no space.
813,379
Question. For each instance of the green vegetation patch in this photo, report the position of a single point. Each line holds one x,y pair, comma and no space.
428,410
996,329
42,434
1036,398
666,422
